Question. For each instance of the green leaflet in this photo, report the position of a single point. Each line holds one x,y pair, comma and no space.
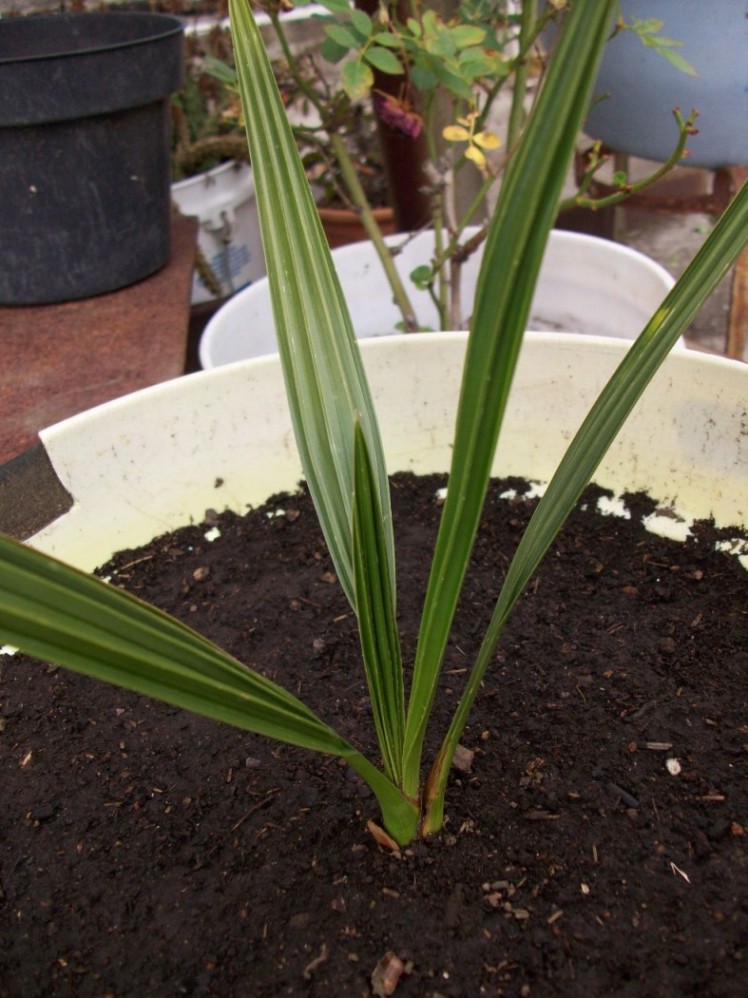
333,414
325,382
57,613
380,641
53,611
600,427
511,262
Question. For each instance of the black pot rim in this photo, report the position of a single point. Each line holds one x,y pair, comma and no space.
155,28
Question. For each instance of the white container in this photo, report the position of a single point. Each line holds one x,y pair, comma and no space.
223,199
586,285
154,460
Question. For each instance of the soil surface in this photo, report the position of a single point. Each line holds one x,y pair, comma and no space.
595,846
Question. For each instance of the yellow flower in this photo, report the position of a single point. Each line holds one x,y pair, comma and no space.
464,131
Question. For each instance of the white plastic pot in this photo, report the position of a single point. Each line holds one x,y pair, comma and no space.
587,285
157,459
223,199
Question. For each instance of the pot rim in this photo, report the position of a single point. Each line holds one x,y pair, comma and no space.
156,27
160,457
561,246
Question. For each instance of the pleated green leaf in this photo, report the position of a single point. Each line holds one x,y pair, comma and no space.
599,429
612,408
380,641
511,263
325,382
57,613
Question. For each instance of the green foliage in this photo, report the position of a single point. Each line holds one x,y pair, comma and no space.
384,60
434,75
430,51
422,276
648,31
52,611
336,6
358,79
206,113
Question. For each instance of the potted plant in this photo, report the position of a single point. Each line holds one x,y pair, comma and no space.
450,87
322,113
436,85
211,176
93,627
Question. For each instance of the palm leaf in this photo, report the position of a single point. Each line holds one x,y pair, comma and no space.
57,613
511,263
590,444
325,382
380,641
53,611
327,390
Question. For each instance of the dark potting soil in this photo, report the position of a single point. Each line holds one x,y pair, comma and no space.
595,846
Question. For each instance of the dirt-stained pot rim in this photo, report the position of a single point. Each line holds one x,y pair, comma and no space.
145,463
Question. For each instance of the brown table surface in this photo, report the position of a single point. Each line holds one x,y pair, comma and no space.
58,360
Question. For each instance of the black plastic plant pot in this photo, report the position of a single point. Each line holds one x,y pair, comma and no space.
84,152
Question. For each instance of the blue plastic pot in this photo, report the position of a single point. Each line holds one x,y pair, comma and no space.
644,87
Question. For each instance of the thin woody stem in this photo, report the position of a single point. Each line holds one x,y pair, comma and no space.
578,200
369,222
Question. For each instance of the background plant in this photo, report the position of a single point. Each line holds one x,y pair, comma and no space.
57,613
444,72
207,123
444,67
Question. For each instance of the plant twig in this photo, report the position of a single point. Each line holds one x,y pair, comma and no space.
369,222
685,130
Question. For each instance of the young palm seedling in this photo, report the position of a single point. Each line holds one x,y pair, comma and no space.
52,611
